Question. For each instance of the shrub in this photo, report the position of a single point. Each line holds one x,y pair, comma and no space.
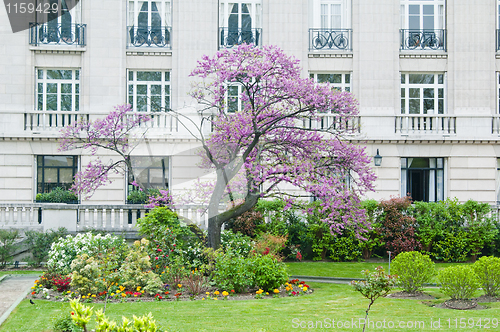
452,248
136,270
7,245
137,197
269,273
65,323
397,226
63,251
236,243
488,272
458,282
373,240
246,223
40,243
297,237
413,270
346,248
232,271
86,276
269,244
57,195
321,240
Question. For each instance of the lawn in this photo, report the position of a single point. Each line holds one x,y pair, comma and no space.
328,302
343,270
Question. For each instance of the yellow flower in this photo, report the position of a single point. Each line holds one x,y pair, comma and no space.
88,294
216,292
123,294
224,293
260,291
179,285
208,293
304,289
93,295
112,294
215,298
142,291
118,291
138,288
267,293
202,298
83,296
33,287
276,291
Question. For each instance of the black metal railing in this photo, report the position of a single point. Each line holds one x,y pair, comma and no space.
423,39
230,37
154,36
330,39
57,34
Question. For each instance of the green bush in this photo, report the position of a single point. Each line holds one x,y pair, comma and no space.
321,240
488,272
40,242
137,197
413,270
346,248
65,323
453,248
7,245
232,271
57,195
458,282
269,273
236,243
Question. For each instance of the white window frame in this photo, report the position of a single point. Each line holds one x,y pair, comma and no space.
318,12
164,9
344,85
255,9
132,93
439,13
229,89
42,83
435,86
136,169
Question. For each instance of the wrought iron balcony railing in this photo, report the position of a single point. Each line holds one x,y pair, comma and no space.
423,39
330,39
153,36
57,34
230,37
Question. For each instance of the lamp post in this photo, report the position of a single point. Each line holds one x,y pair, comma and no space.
377,159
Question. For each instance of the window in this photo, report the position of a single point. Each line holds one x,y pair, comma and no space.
55,171
330,23
423,178
61,27
422,94
240,22
149,91
422,24
150,172
339,81
149,22
58,89
233,100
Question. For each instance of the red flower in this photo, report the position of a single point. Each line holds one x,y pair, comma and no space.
159,250
72,313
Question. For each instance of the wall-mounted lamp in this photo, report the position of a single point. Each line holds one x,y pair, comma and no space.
377,159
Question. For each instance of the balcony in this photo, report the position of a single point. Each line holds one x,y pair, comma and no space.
330,39
57,34
230,37
154,36
46,121
411,124
423,40
334,123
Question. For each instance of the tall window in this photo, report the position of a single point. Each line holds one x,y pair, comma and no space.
58,89
149,22
149,91
55,171
422,93
422,14
340,81
150,172
331,14
62,26
423,178
240,22
233,100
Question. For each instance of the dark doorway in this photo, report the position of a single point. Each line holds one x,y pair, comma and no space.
419,185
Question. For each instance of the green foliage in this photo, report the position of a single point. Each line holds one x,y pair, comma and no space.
232,271
175,272
453,247
269,244
39,244
145,323
136,270
137,197
488,272
7,245
480,227
346,248
86,275
322,240
274,210
413,270
246,223
57,195
65,323
269,273
236,243
458,282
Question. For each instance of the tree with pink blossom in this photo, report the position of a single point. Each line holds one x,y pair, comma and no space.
111,133
264,134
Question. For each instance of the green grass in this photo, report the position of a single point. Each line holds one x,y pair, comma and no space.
344,270
329,301
19,272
